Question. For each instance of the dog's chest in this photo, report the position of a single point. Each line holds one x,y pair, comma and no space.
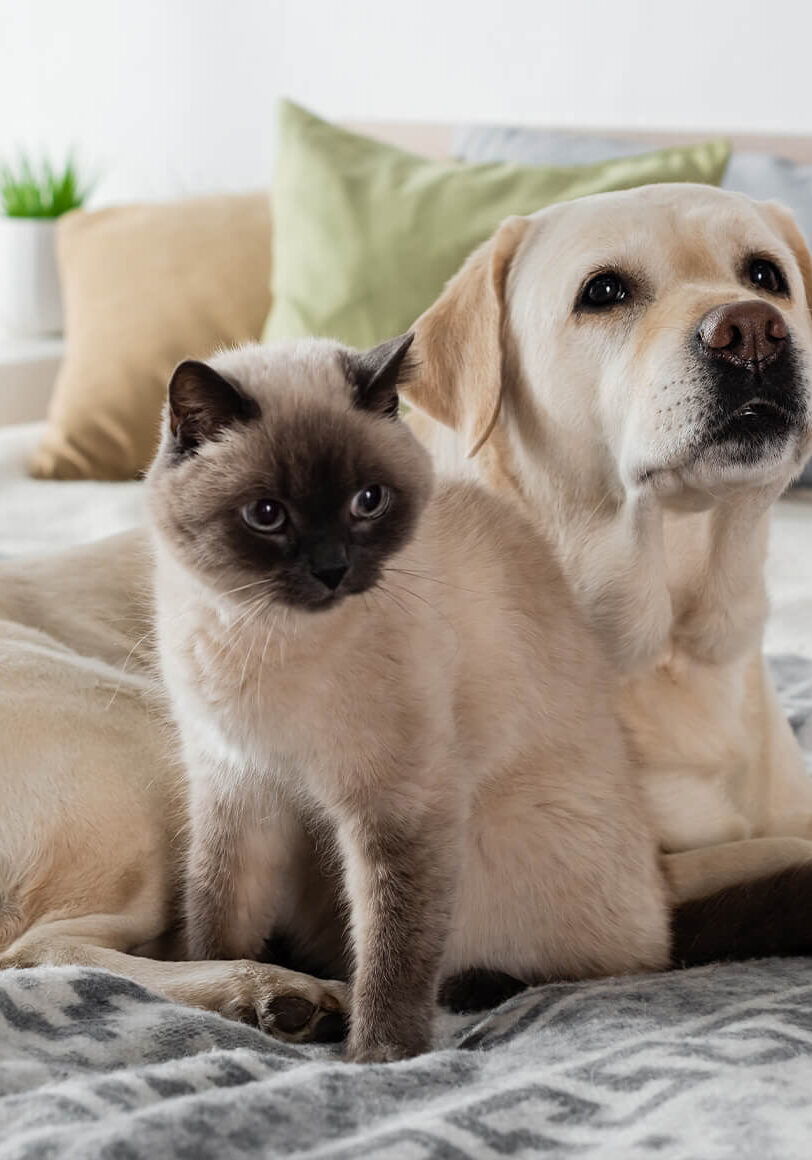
692,730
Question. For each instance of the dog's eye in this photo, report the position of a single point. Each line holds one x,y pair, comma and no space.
264,515
370,503
767,276
604,290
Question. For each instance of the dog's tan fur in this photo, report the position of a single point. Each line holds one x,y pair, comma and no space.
670,571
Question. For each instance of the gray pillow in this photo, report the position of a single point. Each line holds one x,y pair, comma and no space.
759,175
484,143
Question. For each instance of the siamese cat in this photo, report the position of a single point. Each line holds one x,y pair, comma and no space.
393,719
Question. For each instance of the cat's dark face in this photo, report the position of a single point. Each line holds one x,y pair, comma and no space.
285,473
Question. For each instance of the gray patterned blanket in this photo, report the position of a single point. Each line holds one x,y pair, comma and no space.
706,1064
709,1064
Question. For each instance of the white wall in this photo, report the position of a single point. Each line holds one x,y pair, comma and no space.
735,64
164,96
158,95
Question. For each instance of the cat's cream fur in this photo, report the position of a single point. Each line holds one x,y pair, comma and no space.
453,724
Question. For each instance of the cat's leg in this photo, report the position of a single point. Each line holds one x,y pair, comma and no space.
240,853
400,876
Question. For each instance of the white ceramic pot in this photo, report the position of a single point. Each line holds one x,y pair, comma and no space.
30,298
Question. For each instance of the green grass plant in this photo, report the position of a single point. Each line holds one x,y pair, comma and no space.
40,191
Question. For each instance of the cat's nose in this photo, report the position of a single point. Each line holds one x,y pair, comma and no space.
331,577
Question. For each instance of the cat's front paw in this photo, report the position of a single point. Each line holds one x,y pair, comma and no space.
378,1053
363,1050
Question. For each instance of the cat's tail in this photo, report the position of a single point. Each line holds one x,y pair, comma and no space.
748,920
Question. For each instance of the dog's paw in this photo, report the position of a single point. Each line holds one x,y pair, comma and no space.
304,1010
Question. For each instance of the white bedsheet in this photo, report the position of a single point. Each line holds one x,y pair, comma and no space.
39,516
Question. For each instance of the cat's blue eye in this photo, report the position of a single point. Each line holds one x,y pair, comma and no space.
264,515
370,503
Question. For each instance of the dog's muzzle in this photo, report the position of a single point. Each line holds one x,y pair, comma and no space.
756,396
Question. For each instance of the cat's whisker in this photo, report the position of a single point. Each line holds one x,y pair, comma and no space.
408,592
402,588
248,606
245,663
249,612
426,576
273,626
243,587
380,590
117,689
238,628
235,639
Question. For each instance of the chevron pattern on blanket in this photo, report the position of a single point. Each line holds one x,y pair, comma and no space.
711,1063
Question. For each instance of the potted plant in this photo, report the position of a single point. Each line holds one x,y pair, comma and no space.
31,200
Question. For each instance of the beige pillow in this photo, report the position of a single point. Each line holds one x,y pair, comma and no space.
145,286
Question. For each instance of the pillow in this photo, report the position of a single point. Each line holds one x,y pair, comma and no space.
488,143
759,175
145,286
365,235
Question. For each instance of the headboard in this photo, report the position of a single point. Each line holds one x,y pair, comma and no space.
435,140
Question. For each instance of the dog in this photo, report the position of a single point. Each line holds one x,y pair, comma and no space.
635,368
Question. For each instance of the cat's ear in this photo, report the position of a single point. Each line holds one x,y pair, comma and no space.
376,373
202,403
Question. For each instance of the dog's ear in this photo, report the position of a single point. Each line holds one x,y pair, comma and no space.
783,219
458,341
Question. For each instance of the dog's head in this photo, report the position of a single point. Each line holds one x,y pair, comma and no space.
659,338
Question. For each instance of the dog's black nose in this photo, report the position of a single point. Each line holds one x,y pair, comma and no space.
744,334
331,577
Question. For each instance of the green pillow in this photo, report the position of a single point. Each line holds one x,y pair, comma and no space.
366,236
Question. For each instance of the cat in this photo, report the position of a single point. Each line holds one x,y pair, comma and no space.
392,716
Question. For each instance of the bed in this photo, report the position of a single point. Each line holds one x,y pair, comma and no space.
707,1063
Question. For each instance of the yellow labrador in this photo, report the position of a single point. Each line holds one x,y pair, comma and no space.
636,368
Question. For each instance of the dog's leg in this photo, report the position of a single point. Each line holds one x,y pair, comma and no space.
694,874
289,1005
